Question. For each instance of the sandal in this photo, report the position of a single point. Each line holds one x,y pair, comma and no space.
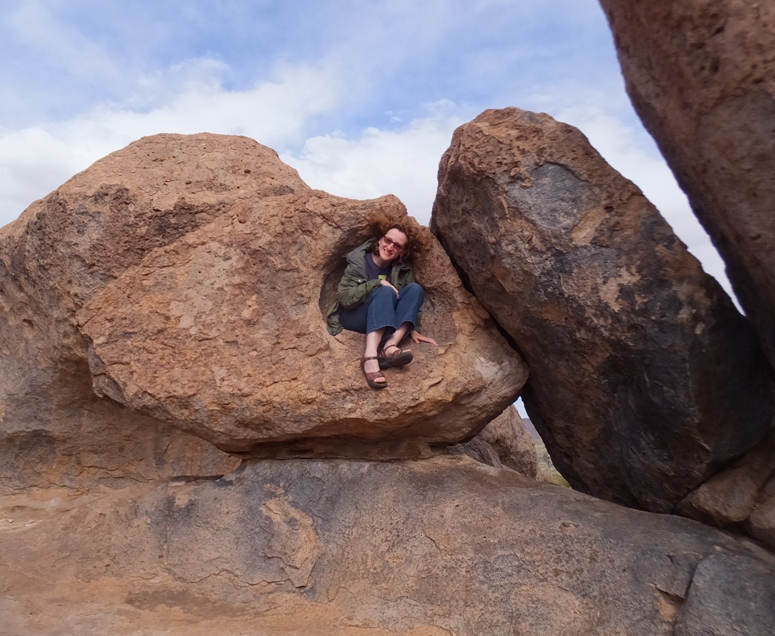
399,358
371,376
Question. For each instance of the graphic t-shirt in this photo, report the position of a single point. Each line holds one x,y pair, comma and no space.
374,271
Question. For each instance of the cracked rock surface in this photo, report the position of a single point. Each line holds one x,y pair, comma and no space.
423,548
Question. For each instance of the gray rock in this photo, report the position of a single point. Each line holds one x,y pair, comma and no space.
645,380
730,594
426,548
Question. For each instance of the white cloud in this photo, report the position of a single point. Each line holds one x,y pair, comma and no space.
403,162
32,163
36,160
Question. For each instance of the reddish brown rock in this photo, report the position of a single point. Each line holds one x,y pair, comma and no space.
729,497
761,523
479,450
505,442
701,75
514,445
202,268
429,548
92,442
64,248
223,335
645,380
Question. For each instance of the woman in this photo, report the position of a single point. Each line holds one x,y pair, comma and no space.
378,296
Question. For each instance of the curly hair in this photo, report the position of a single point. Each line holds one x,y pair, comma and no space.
382,221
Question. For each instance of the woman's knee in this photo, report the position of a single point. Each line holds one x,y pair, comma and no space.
384,294
384,290
413,289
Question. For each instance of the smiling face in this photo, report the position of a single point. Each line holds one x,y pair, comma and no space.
392,245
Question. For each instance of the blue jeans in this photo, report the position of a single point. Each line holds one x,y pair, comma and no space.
382,308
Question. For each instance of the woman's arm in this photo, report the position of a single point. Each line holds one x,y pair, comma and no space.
353,289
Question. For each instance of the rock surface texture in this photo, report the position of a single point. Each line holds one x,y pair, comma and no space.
728,595
645,380
428,548
701,75
730,496
186,279
53,430
505,442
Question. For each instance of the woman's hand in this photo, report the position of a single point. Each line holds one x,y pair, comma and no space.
387,284
417,338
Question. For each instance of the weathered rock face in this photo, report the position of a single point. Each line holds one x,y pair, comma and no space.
200,269
92,442
701,75
505,442
441,546
761,523
223,335
512,442
726,596
645,380
730,496
64,248
741,497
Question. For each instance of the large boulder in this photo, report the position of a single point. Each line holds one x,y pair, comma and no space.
187,278
645,380
64,248
427,548
701,75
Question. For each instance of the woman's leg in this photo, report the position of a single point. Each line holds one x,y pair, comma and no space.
372,342
406,310
372,317
380,318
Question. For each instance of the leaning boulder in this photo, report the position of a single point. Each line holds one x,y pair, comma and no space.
645,380
331,547
701,76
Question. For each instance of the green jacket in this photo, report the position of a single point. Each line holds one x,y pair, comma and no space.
353,288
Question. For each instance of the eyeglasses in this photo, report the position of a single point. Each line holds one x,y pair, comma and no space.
396,246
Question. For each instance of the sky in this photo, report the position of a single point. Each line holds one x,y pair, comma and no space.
360,96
